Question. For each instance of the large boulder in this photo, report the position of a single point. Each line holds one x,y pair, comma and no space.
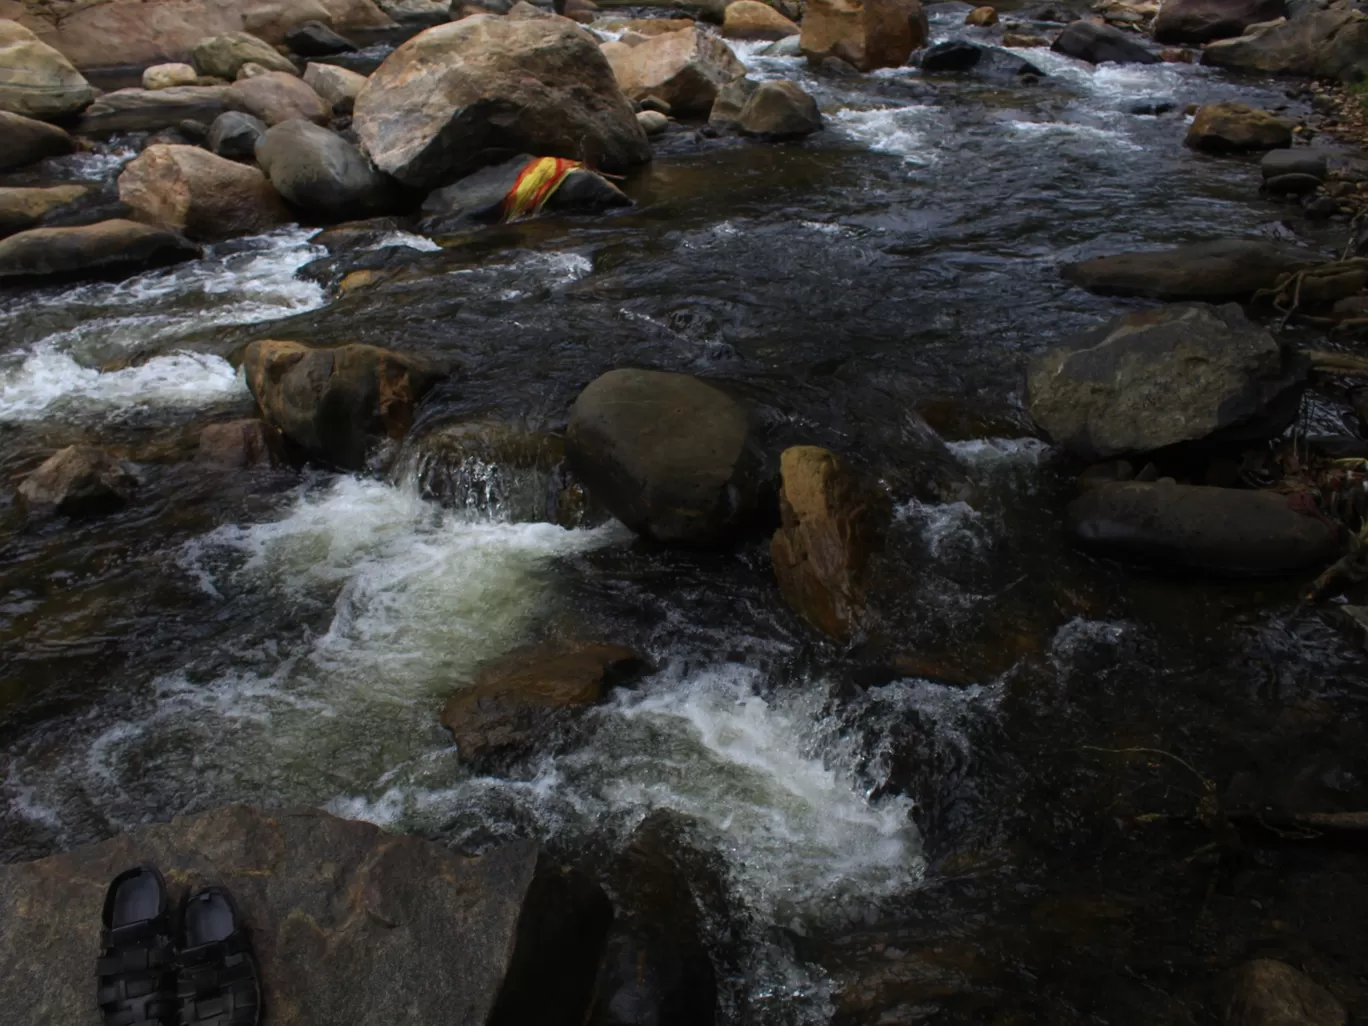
335,404
684,69
750,19
1228,269
1221,530
482,198
670,456
276,97
1101,44
80,480
1201,21
1235,128
223,56
150,110
22,209
1319,44
1266,992
516,700
200,193
36,80
431,110
779,109
349,924
1154,378
94,248
833,525
321,173
28,141
868,34
338,87
235,135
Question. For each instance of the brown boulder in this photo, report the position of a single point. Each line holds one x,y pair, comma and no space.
515,700
202,194
685,69
22,209
239,445
982,17
223,56
335,404
1201,21
834,522
779,109
28,141
91,248
750,19
149,110
36,80
1266,992
276,97
80,480
867,34
1235,128
169,76
337,87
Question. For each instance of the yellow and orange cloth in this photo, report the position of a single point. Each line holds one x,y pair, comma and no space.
537,182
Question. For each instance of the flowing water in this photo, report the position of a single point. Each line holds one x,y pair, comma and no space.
921,826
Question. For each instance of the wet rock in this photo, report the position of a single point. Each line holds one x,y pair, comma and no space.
1155,378
750,19
335,404
789,46
78,481
338,87
88,249
276,97
653,122
224,55
480,198
779,109
1151,108
1266,992
22,209
1021,41
235,135
168,76
982,17
1101,44
349,924
582,11
866,34
321,173
1322,44
1201,21
1235,128
731,100
239,445
150,110
516,700
1231,269
36,81
670,456
1292,185
28,141
314,39
449,93
204,195
1223,530
833,526
985,61
685,69
1292,162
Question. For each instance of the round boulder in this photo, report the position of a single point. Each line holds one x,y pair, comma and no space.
275,97
670,456
168,76
778,109
80,480
202,194
235,135
321,173
1234,128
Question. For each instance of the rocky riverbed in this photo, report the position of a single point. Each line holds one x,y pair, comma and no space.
780,514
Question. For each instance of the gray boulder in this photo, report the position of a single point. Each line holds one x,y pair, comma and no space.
779,109
479,198
235,135
90,249
349,924
670,456
1222,530
1102,44
80,480
1201,21
28,141
321,173
150,110
1155,378
224,55
1276,163
1229,269
1322,44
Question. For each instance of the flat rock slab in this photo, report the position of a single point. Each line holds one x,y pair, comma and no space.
351,925
1220,271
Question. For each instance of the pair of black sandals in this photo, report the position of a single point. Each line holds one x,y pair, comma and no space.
196,971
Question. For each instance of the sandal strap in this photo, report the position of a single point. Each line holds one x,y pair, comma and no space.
135,986
217,984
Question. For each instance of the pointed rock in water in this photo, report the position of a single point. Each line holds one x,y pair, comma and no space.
1202,21
321,173
1102,44
80,480
779,109
1228,269
92,249
1154,378
685,69
350,924
204,195
867,34
1235,128
36,81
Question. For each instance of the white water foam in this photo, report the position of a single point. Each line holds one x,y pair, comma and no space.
896,130
412,241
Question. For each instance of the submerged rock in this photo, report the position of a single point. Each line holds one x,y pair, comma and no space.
1228,269
1236,128
150,110
239,445
751,19
235,135
779,109
335,404
36,81
685,69
1102,44
321,173
96,248
1319,44
1223,530
276,97
1266,992
1201,21
1155,378
483,198
349,924
202,194
22,209
488,83
866,34
80,480
668,455
28,141
224,55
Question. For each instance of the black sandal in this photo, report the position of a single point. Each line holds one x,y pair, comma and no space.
218,983
137,962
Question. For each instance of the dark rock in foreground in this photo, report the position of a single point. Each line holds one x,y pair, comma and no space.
1101,44
90,249
350,925
1223,530
322,174
1229,269
1156,378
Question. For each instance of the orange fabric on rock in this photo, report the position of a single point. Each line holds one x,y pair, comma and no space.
536,183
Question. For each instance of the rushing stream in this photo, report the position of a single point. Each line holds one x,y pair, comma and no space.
282,639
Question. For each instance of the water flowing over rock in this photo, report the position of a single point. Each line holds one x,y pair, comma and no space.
321,173
751,19
150,110
28,141
866,34
80,480
1228,269
276,97
779,109
338,87
22,209
1236,128
1156,378
668,455
335,404
1223,530
1102,44
429,113
349,924
235,135
1321,44
1266,992
685,69
202,194
108,245
36,81
1201,21
223,56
